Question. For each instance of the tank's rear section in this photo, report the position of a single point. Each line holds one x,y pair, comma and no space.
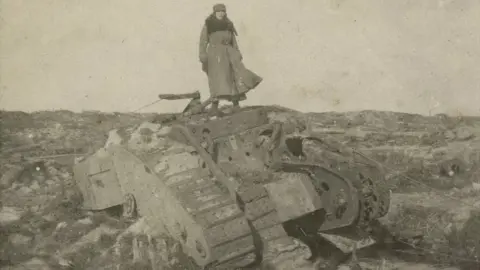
96,178
172,187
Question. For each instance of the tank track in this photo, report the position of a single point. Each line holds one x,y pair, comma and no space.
374,190
264,221
274,244
241,233
368,178
225,227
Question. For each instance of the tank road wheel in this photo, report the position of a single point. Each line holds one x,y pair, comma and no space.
129,207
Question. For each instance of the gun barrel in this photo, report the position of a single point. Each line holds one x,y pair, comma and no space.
194,95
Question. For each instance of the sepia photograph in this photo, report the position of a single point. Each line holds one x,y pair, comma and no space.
225,135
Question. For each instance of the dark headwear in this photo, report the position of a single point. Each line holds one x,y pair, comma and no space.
219,7
213,24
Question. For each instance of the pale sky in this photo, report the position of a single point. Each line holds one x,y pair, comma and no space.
330,55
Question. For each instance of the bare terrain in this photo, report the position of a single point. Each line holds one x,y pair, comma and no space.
432,164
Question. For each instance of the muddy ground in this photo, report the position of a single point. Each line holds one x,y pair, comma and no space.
432,165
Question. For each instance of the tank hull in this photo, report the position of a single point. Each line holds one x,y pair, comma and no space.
226,188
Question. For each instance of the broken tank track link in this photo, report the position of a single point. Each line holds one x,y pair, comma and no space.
374,193
262,215
365,175
370,183
339,197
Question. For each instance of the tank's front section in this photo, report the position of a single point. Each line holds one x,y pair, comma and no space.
287,177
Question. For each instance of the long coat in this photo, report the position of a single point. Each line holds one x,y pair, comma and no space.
221,59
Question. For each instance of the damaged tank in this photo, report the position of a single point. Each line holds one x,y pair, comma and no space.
225,187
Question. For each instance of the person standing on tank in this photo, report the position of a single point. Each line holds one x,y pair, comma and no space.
221,59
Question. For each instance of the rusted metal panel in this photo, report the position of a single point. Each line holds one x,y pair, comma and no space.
293,197
230,125
179,162
80,172
96,178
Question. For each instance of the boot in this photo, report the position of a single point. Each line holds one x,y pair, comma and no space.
214,111
236,106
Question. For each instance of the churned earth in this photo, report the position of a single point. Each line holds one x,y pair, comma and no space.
432,165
